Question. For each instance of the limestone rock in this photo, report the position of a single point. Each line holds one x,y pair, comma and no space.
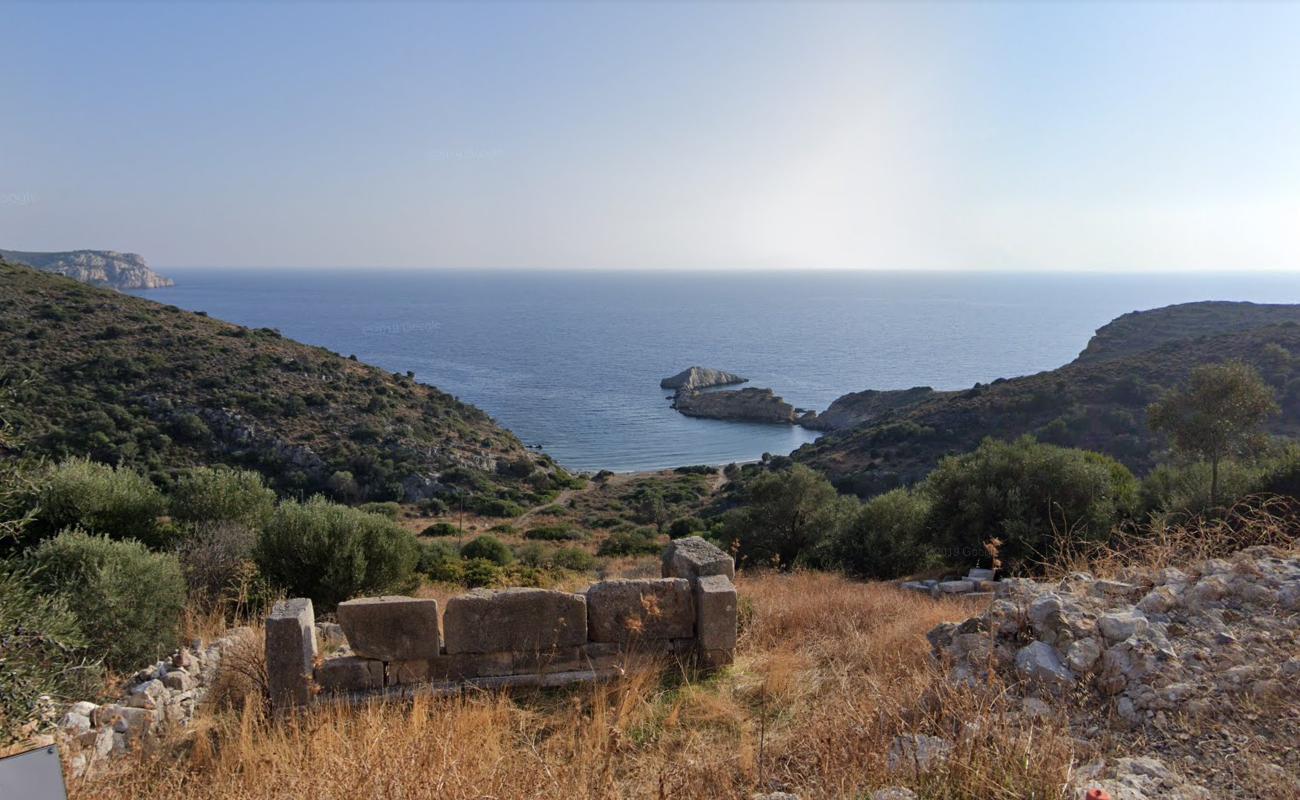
715,620
525,620
350,674
290,651
917,752
391,628
693,557
693,378
634,610
1040,664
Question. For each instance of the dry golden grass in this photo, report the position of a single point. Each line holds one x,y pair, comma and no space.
828,673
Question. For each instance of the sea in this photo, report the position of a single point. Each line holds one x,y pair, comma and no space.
571,360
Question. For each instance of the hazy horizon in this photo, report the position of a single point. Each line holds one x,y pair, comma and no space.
928,137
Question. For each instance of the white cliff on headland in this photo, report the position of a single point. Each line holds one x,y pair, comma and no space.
96,267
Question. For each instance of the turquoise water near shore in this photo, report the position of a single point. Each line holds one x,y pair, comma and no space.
572,361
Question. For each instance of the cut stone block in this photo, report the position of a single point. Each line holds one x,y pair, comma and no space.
979,574
955,587
715,619
391,628
693,557
463,666
290,651
350,674
635,610
518,620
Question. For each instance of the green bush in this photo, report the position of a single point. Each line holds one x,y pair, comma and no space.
217,561
42,652
572,558
127,600
554,533
494,507
331,553
685,526
441,529
209,495
439,561
489,548
115,502
786,517
638,542
886,538
1186,487
1033,497
387,508
480,572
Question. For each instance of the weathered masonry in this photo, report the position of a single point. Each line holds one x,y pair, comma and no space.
509,637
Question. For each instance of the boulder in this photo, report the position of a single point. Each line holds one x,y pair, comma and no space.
290,651
520,620
1040,664
149,694
693,557
917,752
633,610
955,587
178,680
391,628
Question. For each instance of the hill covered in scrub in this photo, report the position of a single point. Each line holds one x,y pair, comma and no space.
128,381
1096,402
96,267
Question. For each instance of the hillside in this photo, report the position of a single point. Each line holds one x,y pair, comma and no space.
96,267
126,380
1096,402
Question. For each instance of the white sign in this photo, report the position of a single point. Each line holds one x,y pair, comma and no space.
34,775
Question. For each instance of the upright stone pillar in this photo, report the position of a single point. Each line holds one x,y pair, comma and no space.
710,571
290,652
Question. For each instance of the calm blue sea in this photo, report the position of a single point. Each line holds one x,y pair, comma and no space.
572,360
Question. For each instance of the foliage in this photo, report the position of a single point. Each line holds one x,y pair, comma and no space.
216,559
685,526
886,538
489,548
387,508
127,600
1031,496
1216,415
787,514
637,542
1186,487
331,553
477,572
554,533
43,651
111,501
441,529
439,561
210,495
494,507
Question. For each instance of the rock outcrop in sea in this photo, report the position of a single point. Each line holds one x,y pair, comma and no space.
96,267
694,378
747,405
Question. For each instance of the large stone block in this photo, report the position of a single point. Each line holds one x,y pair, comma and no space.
635,610
462,666
392,628
715,620
290,651
693,557
518,620
350,674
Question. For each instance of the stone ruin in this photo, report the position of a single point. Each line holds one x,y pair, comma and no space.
508,637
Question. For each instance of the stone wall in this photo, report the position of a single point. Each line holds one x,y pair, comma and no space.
507,637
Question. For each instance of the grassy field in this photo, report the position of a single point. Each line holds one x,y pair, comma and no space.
828,672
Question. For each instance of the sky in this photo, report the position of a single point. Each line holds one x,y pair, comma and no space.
673,135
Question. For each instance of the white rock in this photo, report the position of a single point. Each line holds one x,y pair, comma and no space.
1159,600
1083,654
893,793
84,708
74,724
1120,625
1040,664
178,680
918,752
149,694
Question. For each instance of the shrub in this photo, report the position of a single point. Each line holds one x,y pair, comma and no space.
554,533
330,552
127,599
440,562
388,509
1186,487
787,515
435,506
886,538
489,548
1034,497
685,526
494,507
440,529
215,558
115,502
42,652
572,558
209,495
642,541
480,572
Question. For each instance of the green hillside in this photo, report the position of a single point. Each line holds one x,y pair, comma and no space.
129,381
1097,402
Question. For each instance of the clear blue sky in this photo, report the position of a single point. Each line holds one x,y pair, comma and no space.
673,135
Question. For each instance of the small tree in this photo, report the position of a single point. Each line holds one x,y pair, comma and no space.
1216,415
788,513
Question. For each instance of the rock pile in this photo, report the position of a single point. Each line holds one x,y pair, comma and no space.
158,698
1155,648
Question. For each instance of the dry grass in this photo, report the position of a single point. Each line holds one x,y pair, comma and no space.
828,673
